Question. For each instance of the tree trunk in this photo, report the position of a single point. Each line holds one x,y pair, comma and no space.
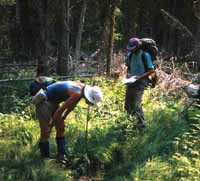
196,7
62,68
101,61
68,32
80,31
18,29
197,43
17,11
111,36
45,36
105,10
103,46
42,44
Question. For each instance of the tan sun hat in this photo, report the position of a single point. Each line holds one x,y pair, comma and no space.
93,94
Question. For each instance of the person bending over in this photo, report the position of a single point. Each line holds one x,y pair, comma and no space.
52,106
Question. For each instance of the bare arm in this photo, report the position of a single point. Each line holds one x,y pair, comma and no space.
68,105
146,74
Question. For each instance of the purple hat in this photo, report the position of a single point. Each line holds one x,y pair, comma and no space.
132,44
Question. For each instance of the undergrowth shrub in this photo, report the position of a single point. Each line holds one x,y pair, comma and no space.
168,149
154,169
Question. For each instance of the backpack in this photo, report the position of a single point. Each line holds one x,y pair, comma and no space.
153,77
149,45
40,83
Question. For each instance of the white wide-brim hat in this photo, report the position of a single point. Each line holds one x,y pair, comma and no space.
93,94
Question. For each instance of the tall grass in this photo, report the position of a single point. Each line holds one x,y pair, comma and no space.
168,149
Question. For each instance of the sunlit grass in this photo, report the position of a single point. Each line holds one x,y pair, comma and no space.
167,150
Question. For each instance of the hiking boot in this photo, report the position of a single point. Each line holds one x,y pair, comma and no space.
62,158
140,126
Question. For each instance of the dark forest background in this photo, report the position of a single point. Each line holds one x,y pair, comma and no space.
85,40
64,31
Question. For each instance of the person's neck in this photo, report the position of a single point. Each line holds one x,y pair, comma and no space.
137,51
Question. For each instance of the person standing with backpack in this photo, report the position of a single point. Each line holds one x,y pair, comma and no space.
140,66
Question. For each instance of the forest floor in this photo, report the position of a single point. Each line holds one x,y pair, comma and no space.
168,149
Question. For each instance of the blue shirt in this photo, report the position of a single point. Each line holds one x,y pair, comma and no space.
137,66
57,92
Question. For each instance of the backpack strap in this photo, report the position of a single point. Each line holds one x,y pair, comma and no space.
40,84
144,62
153,78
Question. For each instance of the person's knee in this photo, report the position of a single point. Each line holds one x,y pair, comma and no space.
45,134
60,130
130,108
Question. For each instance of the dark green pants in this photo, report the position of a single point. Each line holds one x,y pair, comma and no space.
133,101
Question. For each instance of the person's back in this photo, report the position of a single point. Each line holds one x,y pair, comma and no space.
57,92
